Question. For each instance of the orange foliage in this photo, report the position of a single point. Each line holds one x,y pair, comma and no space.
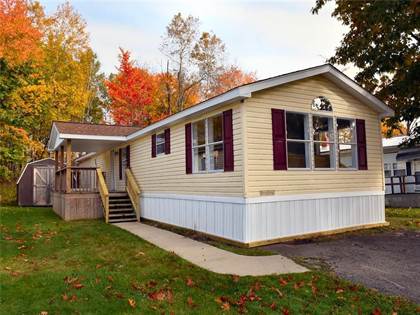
19,39
130,92
232,77
387,132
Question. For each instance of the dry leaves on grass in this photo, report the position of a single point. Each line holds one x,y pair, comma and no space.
189,282
132,303
190,302
161,295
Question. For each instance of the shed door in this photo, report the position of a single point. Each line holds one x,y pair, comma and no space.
43,183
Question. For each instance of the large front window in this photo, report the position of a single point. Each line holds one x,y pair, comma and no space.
320,142
208,144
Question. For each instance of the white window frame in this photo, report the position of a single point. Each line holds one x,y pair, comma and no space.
159,143
353,142
334,145
307,142
206,144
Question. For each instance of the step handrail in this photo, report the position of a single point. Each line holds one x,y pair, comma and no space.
133,191
104,193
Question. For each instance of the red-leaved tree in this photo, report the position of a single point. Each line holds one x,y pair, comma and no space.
130,92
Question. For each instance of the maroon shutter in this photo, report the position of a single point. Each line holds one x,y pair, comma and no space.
168,141
188,149
279,139
228,140
120,163
153,145
361,144
127,155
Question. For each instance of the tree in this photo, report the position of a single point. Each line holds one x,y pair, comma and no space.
197,59
19,39
383,43
229,79
130,93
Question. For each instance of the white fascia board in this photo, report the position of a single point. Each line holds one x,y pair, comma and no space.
52,141
226,98
92,137
355,89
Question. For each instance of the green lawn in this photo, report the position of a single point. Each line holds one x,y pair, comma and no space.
87,267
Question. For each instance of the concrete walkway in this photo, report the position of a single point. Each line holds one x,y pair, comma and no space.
210,257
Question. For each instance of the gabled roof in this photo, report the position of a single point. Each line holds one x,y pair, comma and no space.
106,132
30,163
245,91
76,128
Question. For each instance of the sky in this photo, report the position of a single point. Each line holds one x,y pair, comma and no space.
268,37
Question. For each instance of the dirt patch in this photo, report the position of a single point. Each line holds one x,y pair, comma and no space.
388,261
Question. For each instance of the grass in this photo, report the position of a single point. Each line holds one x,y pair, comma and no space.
48,266
403,218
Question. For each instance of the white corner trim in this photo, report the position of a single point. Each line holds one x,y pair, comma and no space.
263,199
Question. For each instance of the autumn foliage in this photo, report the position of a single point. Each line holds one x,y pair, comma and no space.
130,93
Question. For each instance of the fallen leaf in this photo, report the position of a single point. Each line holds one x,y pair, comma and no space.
235,278
7,268
132,303
151,284
339,290
376,311
119,295
273,306
285,311
257,286
110,279
43,313
98,266
225,306
73,298
77,285
65,297
139,254
161,295
22,247
189,282
298,285
282,282
190,302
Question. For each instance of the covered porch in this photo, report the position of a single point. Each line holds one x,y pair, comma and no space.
82,192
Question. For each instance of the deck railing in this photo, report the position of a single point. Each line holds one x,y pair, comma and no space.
402,184
82,179
133,191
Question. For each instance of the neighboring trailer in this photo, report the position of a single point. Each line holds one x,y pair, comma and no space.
35,183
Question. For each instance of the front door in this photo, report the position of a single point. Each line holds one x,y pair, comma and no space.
42,185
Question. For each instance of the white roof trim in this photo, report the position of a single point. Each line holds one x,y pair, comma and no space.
24,169
226,98
241,93
246,91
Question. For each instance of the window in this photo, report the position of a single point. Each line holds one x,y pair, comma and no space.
323,141
321,103
387,169
297,140
207,144
160,143
347,146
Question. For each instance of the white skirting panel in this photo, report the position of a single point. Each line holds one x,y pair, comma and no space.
283,218
219,216
249,220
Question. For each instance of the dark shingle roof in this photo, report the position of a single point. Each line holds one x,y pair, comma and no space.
94,129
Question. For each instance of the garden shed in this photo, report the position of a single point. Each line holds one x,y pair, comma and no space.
35,183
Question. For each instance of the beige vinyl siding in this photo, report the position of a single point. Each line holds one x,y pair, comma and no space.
166,173
297,96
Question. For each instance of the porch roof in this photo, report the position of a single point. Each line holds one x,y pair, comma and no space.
88,137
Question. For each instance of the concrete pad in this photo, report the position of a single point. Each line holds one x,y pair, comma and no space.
210,257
